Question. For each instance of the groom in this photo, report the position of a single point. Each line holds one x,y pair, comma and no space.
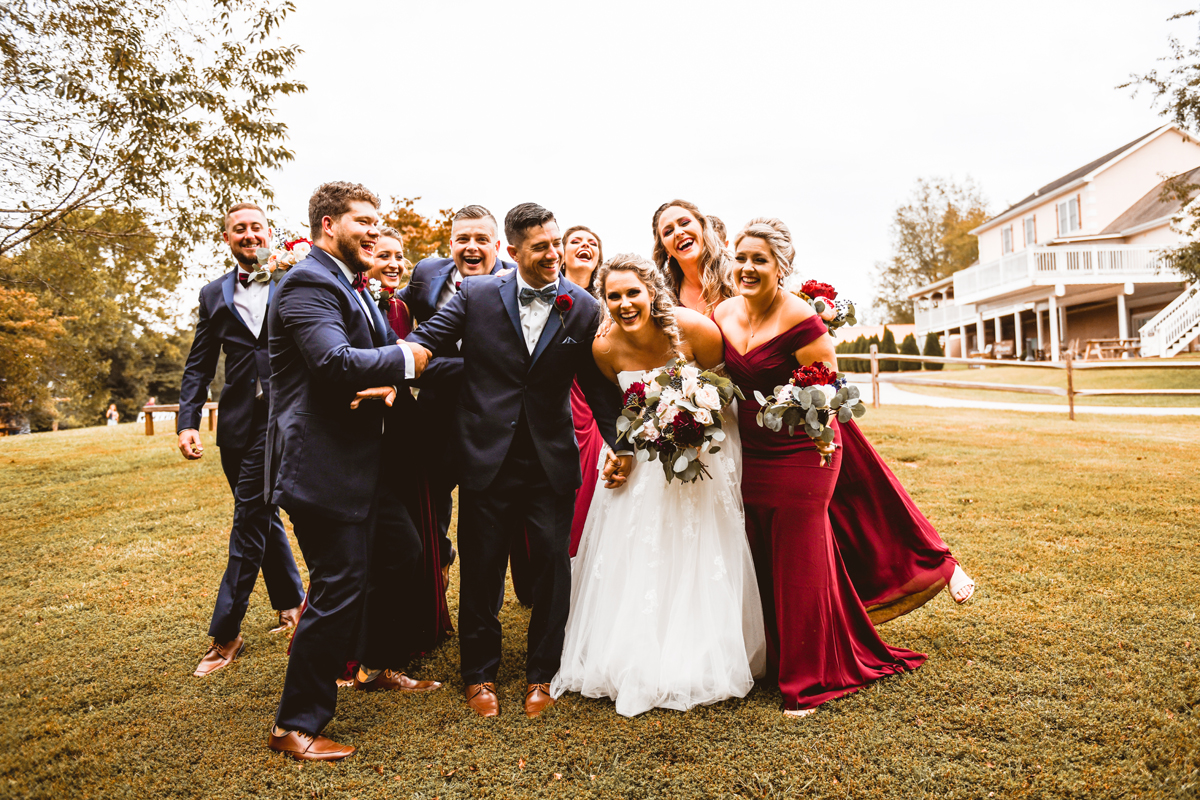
525,337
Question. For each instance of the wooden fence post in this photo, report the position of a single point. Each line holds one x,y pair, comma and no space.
875,376
212,419
1070,387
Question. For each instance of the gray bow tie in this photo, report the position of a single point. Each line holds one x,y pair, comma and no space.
546,294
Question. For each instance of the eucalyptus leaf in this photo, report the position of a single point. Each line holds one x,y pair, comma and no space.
681,463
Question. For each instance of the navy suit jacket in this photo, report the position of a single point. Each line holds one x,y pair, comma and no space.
502,381
246,362
323,457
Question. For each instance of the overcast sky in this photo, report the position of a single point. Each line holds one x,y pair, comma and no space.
821,114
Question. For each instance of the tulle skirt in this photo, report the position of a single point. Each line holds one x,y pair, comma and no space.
665,610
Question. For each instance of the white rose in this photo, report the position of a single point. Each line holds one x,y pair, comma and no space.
667,413
703,416
708,397
691,385
301,249
690,372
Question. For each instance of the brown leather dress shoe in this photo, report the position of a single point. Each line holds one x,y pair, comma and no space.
303,747
218,656
394,680
537,699
288,619
482,699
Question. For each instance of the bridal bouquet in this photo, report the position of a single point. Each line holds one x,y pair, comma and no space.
823,298
673,415
273,262
811,398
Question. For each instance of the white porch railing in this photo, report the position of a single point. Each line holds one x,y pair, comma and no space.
1066,264
943,318
1171,330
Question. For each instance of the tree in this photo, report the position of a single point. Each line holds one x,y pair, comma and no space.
909,348
1177,92
162,107
30,340
888,345
112,289
931,240
933,347
423,237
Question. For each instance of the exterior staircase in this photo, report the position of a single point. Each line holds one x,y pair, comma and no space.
1170,331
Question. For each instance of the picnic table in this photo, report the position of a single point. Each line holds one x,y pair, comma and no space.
1112,348
150,411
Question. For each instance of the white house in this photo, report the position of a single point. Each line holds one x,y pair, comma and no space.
1078,259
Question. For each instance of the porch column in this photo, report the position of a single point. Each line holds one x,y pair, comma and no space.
981,333
1020,351
1122,317
999,328
1055,355
962,341
1037,313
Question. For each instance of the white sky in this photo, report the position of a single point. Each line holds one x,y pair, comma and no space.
821,114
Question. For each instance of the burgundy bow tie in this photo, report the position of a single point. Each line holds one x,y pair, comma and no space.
360,282
244,278
457,285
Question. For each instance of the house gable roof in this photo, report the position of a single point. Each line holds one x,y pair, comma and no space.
1151,207
1073,176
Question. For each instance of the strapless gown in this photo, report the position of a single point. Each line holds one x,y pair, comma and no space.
821,643
665,611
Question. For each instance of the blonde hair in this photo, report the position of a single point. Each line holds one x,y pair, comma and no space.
662,306
715,282
777,236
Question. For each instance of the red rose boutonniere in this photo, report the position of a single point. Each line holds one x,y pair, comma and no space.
563,303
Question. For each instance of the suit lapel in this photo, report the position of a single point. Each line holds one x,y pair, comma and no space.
437,284
228,283
508,295
553,324
373,325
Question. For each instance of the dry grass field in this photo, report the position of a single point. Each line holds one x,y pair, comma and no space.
1072,674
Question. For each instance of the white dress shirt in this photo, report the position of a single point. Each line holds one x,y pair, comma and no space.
410,362
251,304
533,316
450,289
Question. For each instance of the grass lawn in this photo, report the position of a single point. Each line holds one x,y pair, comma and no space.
1084,379
1072,674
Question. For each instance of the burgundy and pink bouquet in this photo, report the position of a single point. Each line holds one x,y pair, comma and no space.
823,298
811,398
273,262
673,415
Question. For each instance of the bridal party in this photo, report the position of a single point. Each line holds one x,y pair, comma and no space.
659,448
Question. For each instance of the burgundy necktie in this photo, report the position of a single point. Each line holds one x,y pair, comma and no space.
360,282
457,285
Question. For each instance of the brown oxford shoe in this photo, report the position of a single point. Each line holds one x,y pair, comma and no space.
482,699
394,680
303,747
289,618
218,656
537,699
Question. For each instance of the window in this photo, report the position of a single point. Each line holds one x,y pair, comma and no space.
1006,246
1068,216
1030,231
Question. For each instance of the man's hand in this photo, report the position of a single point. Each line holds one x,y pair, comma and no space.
616,470
385,393
421,356
189,444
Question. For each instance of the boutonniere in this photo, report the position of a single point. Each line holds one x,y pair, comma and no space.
563,303
379,292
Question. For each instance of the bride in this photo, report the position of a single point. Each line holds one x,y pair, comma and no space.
665,611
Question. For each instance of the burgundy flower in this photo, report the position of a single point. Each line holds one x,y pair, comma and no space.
818,374
816,289
688,432
563,303
635,395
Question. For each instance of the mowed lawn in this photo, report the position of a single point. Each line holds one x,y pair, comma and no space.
1138,378
1072,674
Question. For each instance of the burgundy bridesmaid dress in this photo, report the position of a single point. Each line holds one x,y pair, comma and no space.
591,445
820,642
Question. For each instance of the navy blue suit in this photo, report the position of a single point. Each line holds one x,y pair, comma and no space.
520,463
439,386
325,468
257,538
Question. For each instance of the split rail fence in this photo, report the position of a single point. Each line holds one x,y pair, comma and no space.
150,410
1069,365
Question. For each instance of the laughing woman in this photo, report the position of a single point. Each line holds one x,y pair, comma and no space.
894,556
820,642
664,605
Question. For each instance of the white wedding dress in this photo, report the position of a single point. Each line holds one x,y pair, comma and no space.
665,610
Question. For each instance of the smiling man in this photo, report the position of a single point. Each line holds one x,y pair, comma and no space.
526,336
474,250
232,318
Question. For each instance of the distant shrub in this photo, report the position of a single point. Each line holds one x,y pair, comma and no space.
909,348
933,347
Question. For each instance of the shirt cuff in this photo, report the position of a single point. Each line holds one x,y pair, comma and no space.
410,362
620,453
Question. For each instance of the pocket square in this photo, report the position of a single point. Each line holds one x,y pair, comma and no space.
569,340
